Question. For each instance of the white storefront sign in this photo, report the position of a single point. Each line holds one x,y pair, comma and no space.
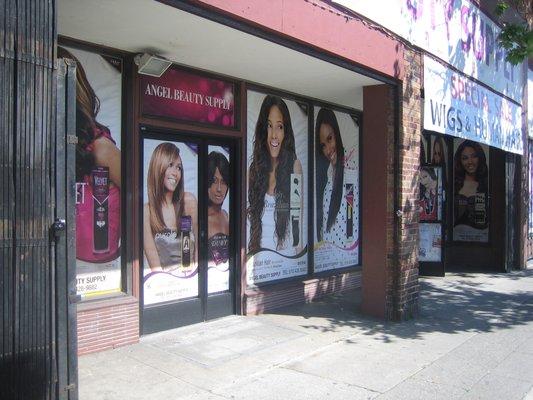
456,105
455,31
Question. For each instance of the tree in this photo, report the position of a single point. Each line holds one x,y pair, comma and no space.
516,37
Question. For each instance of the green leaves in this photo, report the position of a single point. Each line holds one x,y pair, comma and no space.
516,38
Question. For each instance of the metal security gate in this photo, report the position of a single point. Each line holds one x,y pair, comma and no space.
37,330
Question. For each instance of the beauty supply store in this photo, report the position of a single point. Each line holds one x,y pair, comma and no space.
197,191
469,177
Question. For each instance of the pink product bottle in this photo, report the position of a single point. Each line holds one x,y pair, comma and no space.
100,181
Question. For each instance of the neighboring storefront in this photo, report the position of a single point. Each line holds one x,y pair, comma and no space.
472,148
234,183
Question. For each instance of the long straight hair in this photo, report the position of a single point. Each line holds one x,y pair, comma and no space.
163,155
259,169
482,172
327,117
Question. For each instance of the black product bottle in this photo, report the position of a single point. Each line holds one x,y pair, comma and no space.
100,183
349,210
186,225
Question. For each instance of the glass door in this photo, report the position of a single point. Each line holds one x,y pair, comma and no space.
187,230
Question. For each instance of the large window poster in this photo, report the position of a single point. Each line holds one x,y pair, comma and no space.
218,219
170,220
471,191
530,222
336,190
98,171
430,194
277,149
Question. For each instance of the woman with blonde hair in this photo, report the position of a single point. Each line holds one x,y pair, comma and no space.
170,216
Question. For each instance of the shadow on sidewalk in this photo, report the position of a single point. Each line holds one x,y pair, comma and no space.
458,303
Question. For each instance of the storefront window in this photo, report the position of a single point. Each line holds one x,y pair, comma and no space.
277,187
336,190
530,220
98,171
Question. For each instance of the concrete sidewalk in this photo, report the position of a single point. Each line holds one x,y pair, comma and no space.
473,340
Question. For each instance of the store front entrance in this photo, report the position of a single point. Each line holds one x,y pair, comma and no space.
188,234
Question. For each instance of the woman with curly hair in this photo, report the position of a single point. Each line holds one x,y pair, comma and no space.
274,165
470,185
170,216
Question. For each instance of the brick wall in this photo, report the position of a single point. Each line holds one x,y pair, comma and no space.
275,296
405,276
106,325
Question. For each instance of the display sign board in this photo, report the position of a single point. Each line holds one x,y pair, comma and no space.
457,106
188,96
455,31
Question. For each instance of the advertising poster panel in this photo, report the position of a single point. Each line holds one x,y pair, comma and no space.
98,171
439,156
471,191
430,245
277,149
336,189
170,220
430,194
218,219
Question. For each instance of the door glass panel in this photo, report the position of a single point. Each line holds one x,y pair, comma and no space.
170,220
218,217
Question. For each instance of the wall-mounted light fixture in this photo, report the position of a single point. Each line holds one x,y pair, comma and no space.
151,65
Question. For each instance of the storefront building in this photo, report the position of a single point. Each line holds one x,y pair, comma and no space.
277,159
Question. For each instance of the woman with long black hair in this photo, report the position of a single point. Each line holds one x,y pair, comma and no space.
274,165
331,197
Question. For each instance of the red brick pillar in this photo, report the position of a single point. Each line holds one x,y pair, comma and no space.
390,178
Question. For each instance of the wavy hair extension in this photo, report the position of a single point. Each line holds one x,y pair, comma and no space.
327,117
259,170
163,155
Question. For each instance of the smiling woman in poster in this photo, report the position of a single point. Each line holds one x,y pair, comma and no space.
470,186
217,218
275,191
331,161
98,176
170,216
428,194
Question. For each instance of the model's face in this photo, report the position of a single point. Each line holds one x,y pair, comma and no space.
328,144
469,160
276,131
437,153
424,178
173,174
218,189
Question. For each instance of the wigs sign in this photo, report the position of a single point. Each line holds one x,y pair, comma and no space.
457,106
186,96
277,161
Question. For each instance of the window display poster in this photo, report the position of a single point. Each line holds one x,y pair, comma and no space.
277,149
430,194
430,245
530,222
336,189
170,221
98,171
471,191
218,219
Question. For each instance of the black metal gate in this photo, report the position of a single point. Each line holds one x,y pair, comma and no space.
37,330
511,241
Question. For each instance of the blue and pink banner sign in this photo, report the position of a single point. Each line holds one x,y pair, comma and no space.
188,96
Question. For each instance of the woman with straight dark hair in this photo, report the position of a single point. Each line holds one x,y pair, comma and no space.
331,196
471,185
217,218
428,194
274,165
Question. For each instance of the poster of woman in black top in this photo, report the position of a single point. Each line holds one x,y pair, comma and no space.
471,189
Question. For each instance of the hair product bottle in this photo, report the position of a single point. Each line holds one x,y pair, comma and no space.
185,228
100,183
